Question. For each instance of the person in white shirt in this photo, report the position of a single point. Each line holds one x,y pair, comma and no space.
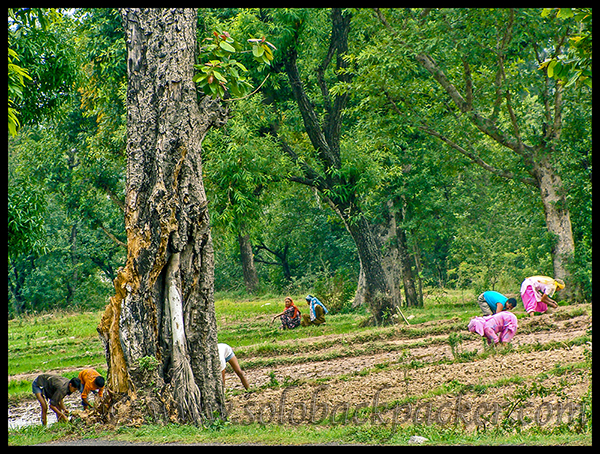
226,355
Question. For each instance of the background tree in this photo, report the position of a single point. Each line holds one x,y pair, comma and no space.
500,95
329,169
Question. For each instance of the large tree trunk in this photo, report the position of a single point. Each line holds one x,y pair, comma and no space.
385,234
247,259
558,221
159,328
376,291
375,286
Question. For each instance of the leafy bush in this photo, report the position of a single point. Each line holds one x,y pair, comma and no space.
336,291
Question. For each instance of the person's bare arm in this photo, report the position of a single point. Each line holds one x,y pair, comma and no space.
278,315
60,411
86,402
546,299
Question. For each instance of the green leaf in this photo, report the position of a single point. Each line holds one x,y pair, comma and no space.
564,13
257,51
267,52
214,89
220,76
239,65
551,68
559,70
574,78
200,77
226,46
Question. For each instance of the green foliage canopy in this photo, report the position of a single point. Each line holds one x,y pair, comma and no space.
465,226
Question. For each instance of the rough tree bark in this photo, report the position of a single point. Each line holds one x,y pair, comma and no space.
159,329
247,259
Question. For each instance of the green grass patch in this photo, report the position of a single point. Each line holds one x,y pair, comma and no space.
53,341
274,434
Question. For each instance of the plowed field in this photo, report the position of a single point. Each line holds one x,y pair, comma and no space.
412,375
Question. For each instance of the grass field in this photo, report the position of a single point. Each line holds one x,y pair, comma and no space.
341,383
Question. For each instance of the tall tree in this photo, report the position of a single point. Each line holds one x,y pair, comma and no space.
486,66
159,328
337,182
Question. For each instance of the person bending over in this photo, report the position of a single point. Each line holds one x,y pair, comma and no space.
226,355
54,388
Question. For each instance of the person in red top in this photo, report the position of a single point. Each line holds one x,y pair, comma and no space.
290,317
91,380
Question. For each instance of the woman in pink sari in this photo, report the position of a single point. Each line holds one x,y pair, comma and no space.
536,293
497,328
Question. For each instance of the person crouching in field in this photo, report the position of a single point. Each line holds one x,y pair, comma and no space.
317,312
290,317
55,388
91,381
491,302
536,293
496,328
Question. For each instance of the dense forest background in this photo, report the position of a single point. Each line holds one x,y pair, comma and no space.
466,214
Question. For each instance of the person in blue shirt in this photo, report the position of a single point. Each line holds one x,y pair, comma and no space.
491,302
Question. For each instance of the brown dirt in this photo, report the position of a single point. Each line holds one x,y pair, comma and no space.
385,377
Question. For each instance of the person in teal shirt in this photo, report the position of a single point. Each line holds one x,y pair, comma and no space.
491,302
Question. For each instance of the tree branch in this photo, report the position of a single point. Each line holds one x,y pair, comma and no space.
325,139
311,122
280,255
340,26
471,155
482,123
385,22
111,235
311,177
477,160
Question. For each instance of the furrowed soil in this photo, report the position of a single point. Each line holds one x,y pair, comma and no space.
433,372
406,375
